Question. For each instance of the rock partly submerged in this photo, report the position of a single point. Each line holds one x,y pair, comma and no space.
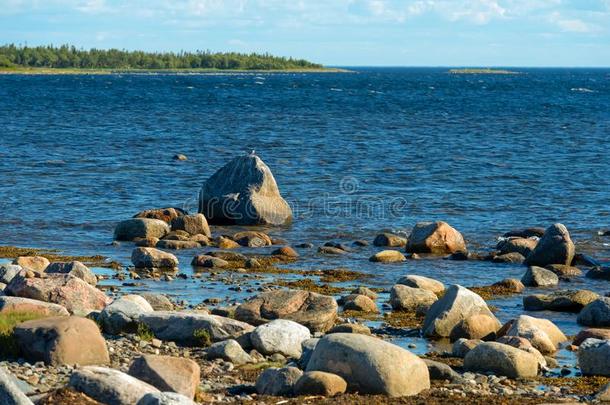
243,192
554,247
435,237
457,304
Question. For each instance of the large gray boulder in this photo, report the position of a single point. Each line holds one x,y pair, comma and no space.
133,228
405,298
543,334
555,247
122,314
435,237
596,313
280,336
243,192
370,365
182,326
10,394
501,359
457,304
75,268
539,277
594,357
278,381
193,224
151,258
108,386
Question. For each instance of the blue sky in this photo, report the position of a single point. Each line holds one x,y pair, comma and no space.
332,32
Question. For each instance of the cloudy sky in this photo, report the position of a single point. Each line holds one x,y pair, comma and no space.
333,32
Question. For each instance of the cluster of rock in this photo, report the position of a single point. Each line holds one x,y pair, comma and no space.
322,354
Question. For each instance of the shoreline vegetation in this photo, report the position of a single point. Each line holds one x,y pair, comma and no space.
482,71
67,59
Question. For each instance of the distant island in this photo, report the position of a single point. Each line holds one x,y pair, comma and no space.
69,59
482,71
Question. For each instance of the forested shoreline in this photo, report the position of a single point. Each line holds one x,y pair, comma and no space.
70,57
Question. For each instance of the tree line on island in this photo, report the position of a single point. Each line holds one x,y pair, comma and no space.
67,56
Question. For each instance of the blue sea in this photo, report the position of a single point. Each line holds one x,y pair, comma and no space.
354,153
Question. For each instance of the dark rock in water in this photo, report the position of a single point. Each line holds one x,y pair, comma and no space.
338,246
435,237
560,301
601,273
243,192
596,313
304,245
555,247
539,277
525,233
164,214
581,259
285,251
458,256
331,250
512,257
523,246
252,239
361,242
390,240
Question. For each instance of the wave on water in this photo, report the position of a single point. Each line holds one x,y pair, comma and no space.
582,90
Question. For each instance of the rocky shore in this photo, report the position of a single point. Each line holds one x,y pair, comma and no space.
67,338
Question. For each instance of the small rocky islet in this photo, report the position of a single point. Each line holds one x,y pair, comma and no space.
66,337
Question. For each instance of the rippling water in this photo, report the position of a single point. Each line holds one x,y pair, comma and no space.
486,153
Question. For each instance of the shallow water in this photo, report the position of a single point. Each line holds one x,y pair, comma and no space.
354,153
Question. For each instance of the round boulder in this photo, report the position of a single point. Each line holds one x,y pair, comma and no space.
435,237
320,383
388,256
370,365
405,298
501,359
280,336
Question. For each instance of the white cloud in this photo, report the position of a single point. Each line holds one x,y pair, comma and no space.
571,24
